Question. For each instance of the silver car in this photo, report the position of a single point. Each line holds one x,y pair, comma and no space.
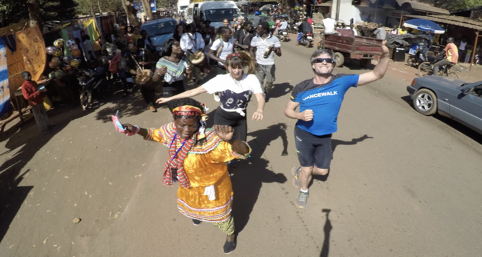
453,98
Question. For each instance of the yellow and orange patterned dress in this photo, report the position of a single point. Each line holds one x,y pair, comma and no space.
205,165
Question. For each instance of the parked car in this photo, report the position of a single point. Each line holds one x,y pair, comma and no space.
453,98
159,31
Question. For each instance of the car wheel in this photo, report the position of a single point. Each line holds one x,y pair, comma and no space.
425,102
339,59
424,69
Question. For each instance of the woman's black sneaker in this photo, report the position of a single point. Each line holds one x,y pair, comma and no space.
196,222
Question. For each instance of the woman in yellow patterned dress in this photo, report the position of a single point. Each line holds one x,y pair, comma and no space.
197,159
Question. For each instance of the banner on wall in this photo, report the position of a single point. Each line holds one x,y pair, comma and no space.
5,105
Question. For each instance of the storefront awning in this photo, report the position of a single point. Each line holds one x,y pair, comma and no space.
421,7
451,20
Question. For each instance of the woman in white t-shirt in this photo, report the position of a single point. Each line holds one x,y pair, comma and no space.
222,47
235,90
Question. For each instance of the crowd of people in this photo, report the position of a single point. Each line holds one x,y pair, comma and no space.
199,157
240,63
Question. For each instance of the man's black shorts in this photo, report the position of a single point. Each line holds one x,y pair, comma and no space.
313,150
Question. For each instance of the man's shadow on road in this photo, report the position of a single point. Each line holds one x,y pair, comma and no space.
250,175
334,144
325,250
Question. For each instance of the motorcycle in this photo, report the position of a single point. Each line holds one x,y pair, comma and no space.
283,35
426,68
90,81
306,40
417,56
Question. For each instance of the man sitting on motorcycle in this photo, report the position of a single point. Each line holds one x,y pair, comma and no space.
283,25
304,28
451,53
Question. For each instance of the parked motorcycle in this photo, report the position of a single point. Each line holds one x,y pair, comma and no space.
283,35
90,81
417,55
306,40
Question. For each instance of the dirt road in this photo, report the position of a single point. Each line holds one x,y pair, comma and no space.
401,184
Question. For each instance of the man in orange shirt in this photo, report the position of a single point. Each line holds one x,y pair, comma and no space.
452,55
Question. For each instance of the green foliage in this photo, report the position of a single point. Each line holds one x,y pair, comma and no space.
84,6
12,11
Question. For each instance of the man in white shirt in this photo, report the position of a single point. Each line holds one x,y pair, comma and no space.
265,46
283,25
191,41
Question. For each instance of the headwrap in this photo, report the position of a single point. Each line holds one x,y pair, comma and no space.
174,169
233,54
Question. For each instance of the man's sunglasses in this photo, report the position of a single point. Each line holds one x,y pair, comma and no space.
320,60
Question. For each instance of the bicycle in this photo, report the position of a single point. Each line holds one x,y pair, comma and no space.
449,70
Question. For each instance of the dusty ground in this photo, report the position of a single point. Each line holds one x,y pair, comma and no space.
401,184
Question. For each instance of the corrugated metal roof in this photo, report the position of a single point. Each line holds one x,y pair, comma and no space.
423,7
452,20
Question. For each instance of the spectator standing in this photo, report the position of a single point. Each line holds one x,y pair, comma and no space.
35,98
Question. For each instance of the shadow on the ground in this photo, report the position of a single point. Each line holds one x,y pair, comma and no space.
325,250
452,123
31,140
250,175
334,144
280,90
131,105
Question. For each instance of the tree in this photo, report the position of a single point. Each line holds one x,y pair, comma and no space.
36,11
128,6
147,8
84,6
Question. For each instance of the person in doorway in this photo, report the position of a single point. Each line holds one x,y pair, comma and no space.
451,54
319,100
197,160
462,51
304,28
265,45
35,97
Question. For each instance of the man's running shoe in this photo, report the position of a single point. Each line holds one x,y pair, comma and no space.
302,199
196,222
296,173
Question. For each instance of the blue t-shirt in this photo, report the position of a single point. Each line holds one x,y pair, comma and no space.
325,101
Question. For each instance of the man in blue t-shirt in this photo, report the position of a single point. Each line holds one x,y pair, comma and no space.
320,101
